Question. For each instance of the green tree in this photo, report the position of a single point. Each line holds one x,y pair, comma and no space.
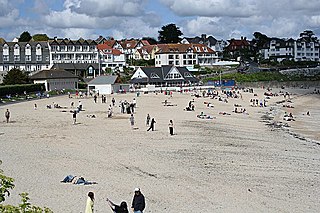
25,37
15,76
40,37
169,34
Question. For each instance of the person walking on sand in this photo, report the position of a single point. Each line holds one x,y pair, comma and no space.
138,202
148,120
170,127
7,115
74,116
90,203
132,121
152,124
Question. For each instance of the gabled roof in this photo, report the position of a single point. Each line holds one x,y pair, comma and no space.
65,41
162,72
145,42
103,79
183,48
52,74
209,41
104,47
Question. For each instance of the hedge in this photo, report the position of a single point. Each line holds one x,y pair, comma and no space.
20,89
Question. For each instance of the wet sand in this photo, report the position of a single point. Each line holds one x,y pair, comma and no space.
233,163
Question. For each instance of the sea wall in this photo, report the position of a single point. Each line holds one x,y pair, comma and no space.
276,84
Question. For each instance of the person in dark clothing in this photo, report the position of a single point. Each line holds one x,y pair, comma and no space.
123,208
138,202
171,127
152,124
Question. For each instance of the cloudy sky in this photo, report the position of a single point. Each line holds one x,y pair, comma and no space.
137,18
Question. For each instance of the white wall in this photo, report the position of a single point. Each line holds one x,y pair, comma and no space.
104,89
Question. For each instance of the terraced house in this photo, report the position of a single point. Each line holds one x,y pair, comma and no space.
27,56
73,51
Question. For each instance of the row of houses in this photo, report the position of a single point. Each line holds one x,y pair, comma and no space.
89,58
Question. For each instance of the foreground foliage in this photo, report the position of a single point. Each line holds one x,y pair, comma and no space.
6,184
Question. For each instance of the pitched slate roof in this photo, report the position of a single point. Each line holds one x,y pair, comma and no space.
65,41
162,72
75,66
209,41
103,79
52,74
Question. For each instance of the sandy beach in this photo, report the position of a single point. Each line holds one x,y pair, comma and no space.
232,163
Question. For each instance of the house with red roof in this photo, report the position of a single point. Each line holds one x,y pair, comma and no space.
111,58
236,46
146,52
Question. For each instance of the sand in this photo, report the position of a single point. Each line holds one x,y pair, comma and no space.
233,163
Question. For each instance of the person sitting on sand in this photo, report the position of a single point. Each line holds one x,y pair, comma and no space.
122,208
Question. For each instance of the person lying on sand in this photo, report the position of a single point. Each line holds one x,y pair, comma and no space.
224,113
76,180
204,116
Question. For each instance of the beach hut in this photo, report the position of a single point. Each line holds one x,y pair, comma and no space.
107,85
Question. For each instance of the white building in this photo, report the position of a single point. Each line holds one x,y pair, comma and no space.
185,55
278,49
306,48
111,58
73,51
27,56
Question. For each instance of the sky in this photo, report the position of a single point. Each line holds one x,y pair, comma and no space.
224,19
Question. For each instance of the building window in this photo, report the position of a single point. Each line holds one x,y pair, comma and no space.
5,68
28,57
5,58
170,56
39,58
38,67
17,58
47,58
154,75
177,75
28,68
170,62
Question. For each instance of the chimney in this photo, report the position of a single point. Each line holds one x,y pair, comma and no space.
241,37
203,36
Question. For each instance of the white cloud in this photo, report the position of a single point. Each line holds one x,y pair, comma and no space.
134,28
40,6
212,8
107,8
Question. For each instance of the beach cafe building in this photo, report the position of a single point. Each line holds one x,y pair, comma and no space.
56,79
163,76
